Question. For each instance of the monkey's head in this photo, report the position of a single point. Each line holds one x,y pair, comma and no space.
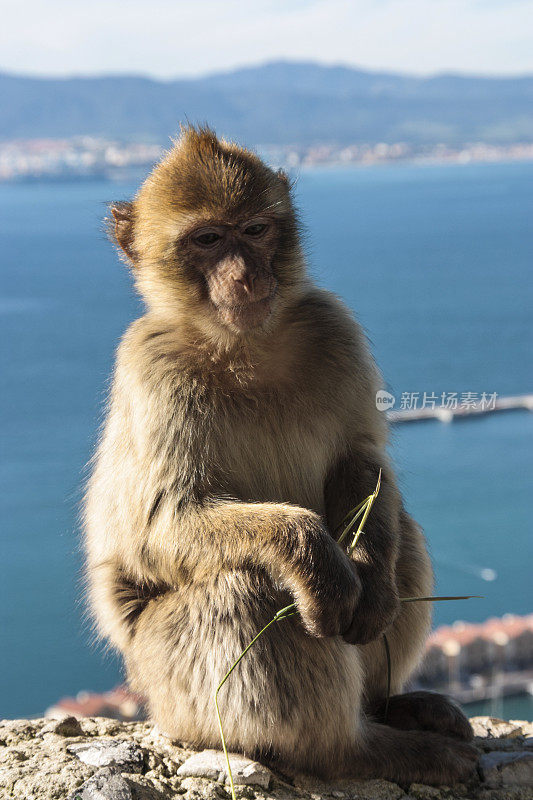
212,237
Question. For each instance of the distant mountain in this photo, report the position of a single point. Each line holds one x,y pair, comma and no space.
277,103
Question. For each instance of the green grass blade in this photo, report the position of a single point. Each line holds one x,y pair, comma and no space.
350,518
369,503
436,599
283,613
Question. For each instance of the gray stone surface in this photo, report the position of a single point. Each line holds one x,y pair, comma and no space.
106,784
350,789
507,769
103,759
211,764
105,752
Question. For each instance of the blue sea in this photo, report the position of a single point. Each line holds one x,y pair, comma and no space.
436,261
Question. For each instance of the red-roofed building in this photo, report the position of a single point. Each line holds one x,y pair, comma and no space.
463,653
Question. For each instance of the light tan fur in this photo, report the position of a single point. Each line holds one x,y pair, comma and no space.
230,453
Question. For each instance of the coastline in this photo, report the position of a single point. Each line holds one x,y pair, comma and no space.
89,158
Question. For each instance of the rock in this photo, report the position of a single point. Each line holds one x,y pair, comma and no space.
350,789
106,752
527,727
106,784
111,760
507,769
487,744
211,764
491,726
67,726
201,789
420,792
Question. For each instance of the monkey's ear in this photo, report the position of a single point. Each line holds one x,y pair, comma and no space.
121,227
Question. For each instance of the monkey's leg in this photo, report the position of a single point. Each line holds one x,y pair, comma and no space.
406,638
294,699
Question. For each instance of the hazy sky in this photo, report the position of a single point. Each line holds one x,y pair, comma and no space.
168,38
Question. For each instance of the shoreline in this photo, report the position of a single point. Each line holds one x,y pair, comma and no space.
85,159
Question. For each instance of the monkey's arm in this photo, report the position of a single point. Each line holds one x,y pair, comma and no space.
287,542
352,478
216,536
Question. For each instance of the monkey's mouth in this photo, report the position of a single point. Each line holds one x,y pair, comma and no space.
246,316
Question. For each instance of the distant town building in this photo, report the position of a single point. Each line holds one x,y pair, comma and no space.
468,660
86,157
119,703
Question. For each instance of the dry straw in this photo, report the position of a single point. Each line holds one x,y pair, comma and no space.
360,512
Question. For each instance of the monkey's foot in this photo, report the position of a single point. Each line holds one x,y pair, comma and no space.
416,756
426,711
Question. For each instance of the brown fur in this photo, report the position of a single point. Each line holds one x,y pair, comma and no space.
235,442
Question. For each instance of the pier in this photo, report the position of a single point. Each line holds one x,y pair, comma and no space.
514,403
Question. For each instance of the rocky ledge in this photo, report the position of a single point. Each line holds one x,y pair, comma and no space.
102,759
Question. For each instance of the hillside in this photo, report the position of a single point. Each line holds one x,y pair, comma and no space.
276,103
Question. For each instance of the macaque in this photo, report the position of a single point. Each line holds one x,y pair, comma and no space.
241,429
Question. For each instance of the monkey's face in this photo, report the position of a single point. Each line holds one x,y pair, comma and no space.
235,264
213,237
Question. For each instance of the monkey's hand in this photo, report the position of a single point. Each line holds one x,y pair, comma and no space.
327,590
378,606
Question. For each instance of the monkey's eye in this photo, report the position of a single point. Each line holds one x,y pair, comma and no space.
207,239
256,229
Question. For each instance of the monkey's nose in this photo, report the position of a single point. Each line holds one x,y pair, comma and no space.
246,281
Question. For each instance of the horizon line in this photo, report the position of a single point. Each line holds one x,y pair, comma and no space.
251,66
